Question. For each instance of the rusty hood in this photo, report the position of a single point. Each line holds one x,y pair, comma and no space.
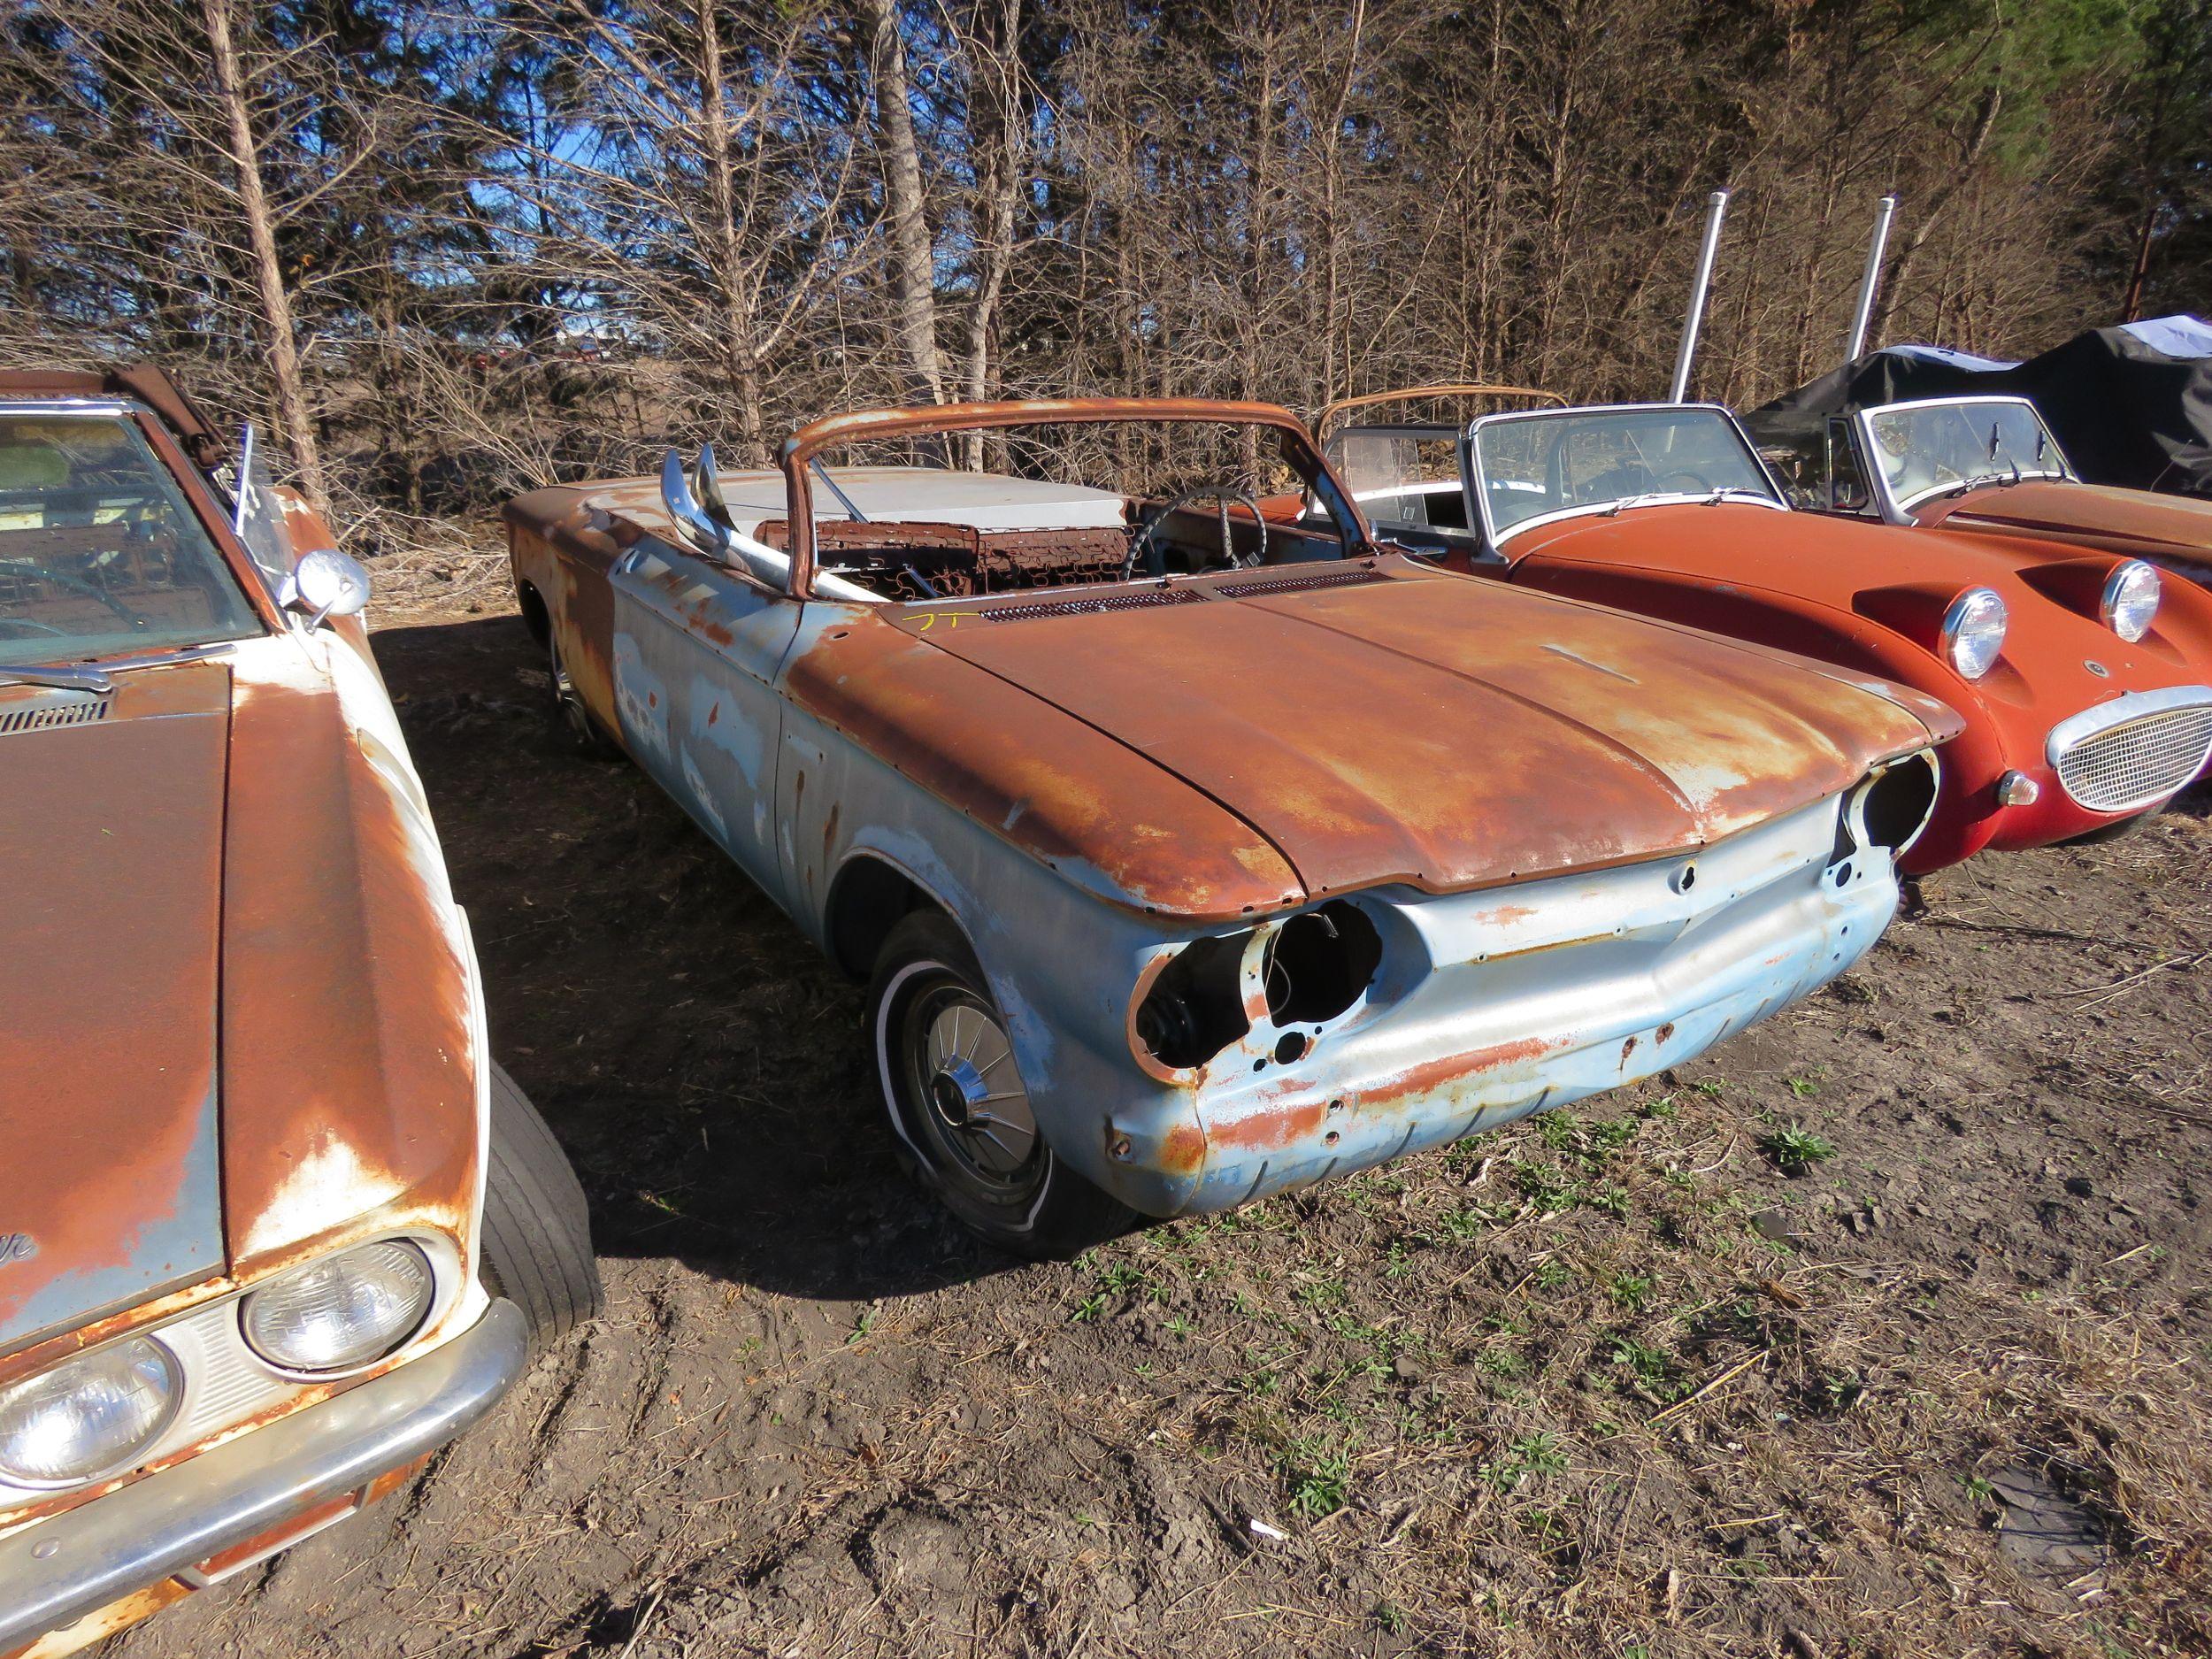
1389,722
239,1003
111,853
2169,528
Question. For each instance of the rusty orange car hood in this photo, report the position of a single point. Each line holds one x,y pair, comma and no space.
238,1014
1825,559
2118,520
1450,733
111,854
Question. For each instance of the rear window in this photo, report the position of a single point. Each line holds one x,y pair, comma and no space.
99,552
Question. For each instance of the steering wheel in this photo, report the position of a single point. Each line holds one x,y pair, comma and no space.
35,628
1146,539
1699,483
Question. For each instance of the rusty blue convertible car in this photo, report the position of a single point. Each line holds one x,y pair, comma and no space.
1192,857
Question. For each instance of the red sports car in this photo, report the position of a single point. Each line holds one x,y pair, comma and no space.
1992,466
2085,685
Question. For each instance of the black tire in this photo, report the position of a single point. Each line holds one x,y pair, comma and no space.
537,1231
576,719
1009,1189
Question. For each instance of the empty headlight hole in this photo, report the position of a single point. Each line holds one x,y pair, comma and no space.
1318,962
1195,1008
1894,807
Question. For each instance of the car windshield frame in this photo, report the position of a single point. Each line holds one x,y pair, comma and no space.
192,493
1417,432
1896,509
825,438
1767,495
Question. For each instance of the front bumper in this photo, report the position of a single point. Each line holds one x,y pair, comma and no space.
1510,1001
86,1558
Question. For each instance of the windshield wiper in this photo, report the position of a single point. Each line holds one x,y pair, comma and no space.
57,676
1727,490
70,677
1615,511
1975,482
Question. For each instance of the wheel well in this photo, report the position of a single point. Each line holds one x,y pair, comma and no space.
534,615
865,903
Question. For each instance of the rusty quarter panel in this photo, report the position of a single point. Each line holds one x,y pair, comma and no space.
109,847
1097,810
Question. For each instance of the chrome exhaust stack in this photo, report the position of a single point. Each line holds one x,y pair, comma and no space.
1715,209
1867,283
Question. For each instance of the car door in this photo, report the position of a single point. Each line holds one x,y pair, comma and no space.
696,650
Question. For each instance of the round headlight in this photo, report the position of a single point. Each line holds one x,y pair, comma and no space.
343,1311
2131,600
1974,632
88,1416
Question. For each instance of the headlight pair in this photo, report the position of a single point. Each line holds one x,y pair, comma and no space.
1974,625
100,1411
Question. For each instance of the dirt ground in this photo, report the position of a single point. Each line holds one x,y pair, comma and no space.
1623,1382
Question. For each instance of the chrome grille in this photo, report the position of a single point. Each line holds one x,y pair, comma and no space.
2134,762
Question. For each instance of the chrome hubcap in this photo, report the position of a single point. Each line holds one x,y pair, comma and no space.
975,1091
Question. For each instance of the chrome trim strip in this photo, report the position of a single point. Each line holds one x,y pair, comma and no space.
57,1571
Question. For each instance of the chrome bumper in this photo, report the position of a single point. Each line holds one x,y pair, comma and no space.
58,1571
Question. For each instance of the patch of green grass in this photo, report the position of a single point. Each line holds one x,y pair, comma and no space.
1089,1310
1795,1148
1318,1475
1469,1223
1550,1189
1612,1201
1500,1362
1631,1291
1532,1455
1552,1274
1651,1367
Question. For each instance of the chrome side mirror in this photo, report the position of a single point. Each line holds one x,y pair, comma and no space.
324,583
684,507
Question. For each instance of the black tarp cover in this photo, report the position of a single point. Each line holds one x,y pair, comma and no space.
2130,405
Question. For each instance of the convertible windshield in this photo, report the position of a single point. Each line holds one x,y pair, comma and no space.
1530,466
1925,449
99,552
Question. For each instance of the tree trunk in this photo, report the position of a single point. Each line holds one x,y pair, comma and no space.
994,78
741,357
913,258
1893,287
276,299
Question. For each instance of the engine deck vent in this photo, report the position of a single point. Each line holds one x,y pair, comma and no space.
1259,586
49,709
1142,600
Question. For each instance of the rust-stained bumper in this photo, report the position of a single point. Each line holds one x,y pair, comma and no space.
82,1561
1488,1005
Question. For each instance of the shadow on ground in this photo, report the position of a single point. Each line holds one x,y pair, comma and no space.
699,1059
